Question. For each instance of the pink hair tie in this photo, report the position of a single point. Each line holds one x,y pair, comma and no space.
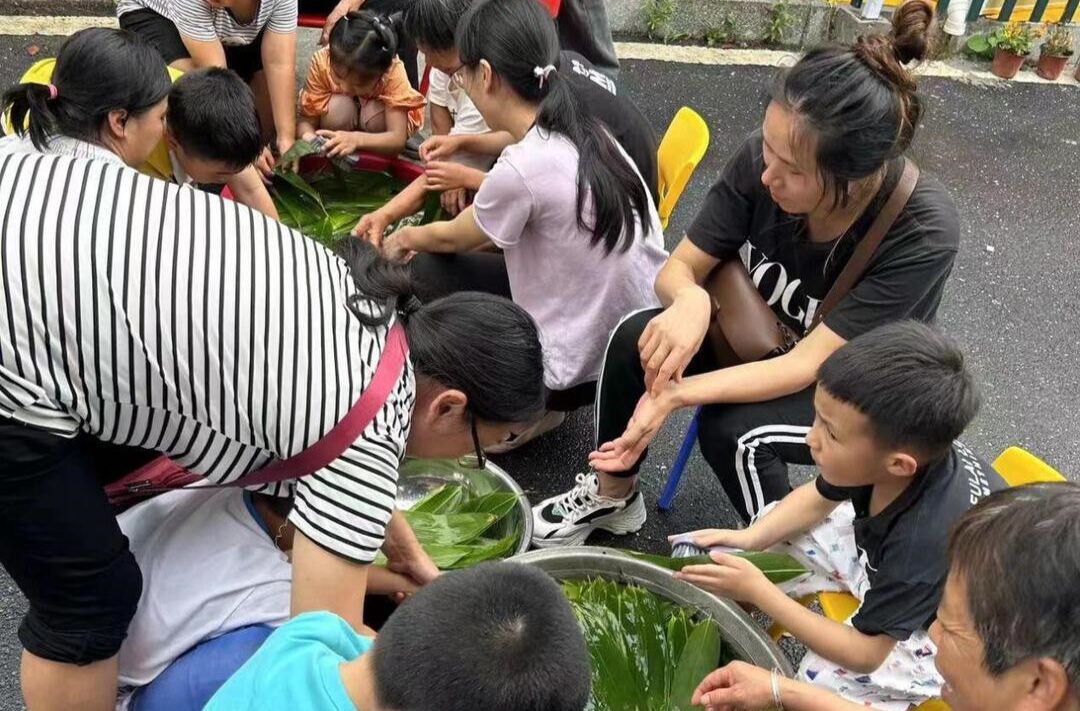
53,93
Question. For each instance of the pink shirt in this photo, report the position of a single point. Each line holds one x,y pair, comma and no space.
527,206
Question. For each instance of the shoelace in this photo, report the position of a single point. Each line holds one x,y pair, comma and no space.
577,498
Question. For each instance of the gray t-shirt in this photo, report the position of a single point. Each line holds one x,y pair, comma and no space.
527,206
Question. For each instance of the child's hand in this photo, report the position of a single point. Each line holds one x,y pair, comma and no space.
372,227
732,576
737,686
454,201
265,164
439,148
712,537
340,144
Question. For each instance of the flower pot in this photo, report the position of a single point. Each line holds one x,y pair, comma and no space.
1050,67
1006,64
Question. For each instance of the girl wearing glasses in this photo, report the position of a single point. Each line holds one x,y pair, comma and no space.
580,239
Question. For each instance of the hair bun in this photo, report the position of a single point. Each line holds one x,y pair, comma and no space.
912,28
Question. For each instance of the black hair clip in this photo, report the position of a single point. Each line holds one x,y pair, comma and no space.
411,306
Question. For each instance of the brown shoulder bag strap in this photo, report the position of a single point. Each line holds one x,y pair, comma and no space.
864,251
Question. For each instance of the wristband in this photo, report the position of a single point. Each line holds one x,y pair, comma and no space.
778,703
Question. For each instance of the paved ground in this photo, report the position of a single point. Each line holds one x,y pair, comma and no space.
1008,155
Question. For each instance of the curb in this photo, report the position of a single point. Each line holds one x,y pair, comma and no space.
95,8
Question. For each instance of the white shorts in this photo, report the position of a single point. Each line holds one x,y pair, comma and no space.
908,676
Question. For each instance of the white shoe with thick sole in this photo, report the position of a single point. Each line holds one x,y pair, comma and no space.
569,519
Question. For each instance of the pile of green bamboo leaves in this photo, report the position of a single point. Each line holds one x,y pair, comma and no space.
326,204
450,524
648,654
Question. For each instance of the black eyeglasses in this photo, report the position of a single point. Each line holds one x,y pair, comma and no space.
481,458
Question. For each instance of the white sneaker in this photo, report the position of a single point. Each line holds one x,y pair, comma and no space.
545,424
568,519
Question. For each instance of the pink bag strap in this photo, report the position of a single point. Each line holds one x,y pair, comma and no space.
148,478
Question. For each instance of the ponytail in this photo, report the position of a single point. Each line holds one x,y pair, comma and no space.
30,112
859,103
98,70
486,346
365,43
518,39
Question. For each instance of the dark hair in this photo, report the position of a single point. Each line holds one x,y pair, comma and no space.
1018,550
909,380
98,70
365,43
212,115
859,104
518,40
433,23
497,637
486,346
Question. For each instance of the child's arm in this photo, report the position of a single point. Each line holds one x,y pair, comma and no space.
441,120
745,686
440,147
408,202
248,189
738,579
797,512
390,142
461,234
385,582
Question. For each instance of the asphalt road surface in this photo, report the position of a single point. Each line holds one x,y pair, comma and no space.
1007,154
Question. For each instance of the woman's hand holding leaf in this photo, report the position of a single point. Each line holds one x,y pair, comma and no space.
737,687
731,576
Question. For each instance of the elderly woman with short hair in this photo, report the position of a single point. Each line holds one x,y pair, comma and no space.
1007,631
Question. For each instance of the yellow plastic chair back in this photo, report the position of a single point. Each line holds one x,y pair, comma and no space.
683,147
1018,466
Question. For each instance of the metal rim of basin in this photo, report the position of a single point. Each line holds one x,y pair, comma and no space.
467,467
738,629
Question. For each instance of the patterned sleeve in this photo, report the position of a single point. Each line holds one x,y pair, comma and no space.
194,19
283,17
346,507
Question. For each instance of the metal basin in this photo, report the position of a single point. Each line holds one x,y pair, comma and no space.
419,477
744,636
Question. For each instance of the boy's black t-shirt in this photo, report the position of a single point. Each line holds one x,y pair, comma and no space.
904,279
628,126
903,547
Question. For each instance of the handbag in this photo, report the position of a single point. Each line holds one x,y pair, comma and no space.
745,329
162,474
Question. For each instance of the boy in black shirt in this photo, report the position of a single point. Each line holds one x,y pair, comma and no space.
889,406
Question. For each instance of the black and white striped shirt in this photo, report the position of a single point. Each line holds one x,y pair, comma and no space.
199,21
159,316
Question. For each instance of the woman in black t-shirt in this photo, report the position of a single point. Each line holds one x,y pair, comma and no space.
799,194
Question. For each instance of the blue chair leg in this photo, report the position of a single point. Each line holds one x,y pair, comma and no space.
679,466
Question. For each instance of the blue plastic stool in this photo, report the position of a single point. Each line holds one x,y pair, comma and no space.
196,675
679,466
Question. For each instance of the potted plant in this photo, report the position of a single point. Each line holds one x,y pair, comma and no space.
1010,45
1055,52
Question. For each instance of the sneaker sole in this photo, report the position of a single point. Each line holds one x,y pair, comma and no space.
623,528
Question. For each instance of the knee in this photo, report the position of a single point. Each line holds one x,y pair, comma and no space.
92,622
340,114
372,116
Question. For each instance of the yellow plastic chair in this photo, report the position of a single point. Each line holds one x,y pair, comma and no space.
1017,467
683,147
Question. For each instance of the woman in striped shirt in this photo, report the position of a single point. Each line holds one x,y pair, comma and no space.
255,38
140,317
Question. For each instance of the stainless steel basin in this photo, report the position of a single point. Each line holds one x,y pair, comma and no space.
419,477
744,636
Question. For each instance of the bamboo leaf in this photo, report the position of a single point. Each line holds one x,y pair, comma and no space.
448,529
699,657
442,500
485,549
778,567
298,150
497,503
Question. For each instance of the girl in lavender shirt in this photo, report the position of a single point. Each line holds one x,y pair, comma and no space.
580,239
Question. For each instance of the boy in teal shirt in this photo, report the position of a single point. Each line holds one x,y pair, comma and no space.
498,637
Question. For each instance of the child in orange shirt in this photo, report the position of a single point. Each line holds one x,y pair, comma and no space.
357,94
